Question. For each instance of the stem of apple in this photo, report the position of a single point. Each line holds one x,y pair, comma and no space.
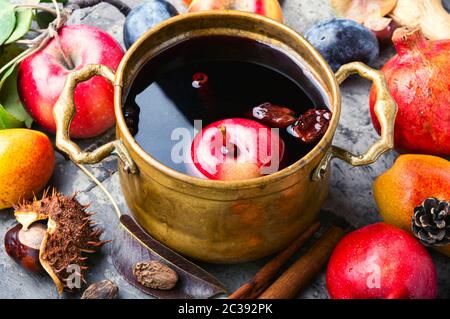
228,149
223,131
66,58
53,33
122,7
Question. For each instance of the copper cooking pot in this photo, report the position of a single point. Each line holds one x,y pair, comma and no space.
224,221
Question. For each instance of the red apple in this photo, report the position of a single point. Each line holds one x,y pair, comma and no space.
236,149
42,77
381,261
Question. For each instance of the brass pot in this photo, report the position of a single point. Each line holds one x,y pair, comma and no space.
224,221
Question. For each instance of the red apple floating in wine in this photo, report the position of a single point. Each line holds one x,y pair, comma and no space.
237,149
42,77
381,261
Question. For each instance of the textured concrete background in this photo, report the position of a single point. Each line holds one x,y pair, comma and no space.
350,193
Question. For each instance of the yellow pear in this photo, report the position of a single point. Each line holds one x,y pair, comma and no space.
411,180
27,160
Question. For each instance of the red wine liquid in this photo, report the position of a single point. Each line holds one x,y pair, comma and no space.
240,74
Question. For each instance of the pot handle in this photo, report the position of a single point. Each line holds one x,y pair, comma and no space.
64,112
385,111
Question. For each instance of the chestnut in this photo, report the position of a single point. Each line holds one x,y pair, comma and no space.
23,246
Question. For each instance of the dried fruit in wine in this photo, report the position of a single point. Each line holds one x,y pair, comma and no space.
274,115
311,126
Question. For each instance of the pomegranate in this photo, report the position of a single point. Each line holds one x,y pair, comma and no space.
419,80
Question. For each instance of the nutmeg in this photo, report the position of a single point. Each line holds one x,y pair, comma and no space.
105,289
23,245
155,275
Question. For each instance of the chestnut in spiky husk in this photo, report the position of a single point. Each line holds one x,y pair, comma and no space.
70,235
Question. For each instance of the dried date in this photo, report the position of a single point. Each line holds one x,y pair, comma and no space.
311,126
274,115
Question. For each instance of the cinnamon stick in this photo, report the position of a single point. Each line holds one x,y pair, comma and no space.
265,276
293,280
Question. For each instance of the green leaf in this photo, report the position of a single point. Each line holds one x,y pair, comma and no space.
12,112
9,98
7,20
8,53
7,120
24,17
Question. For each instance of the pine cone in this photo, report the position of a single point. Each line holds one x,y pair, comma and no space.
431,222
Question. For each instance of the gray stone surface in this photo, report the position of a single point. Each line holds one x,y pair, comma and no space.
350,192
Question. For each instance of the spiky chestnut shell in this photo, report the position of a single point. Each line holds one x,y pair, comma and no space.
71,234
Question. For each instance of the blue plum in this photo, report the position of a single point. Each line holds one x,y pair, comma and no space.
144,17
341,41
